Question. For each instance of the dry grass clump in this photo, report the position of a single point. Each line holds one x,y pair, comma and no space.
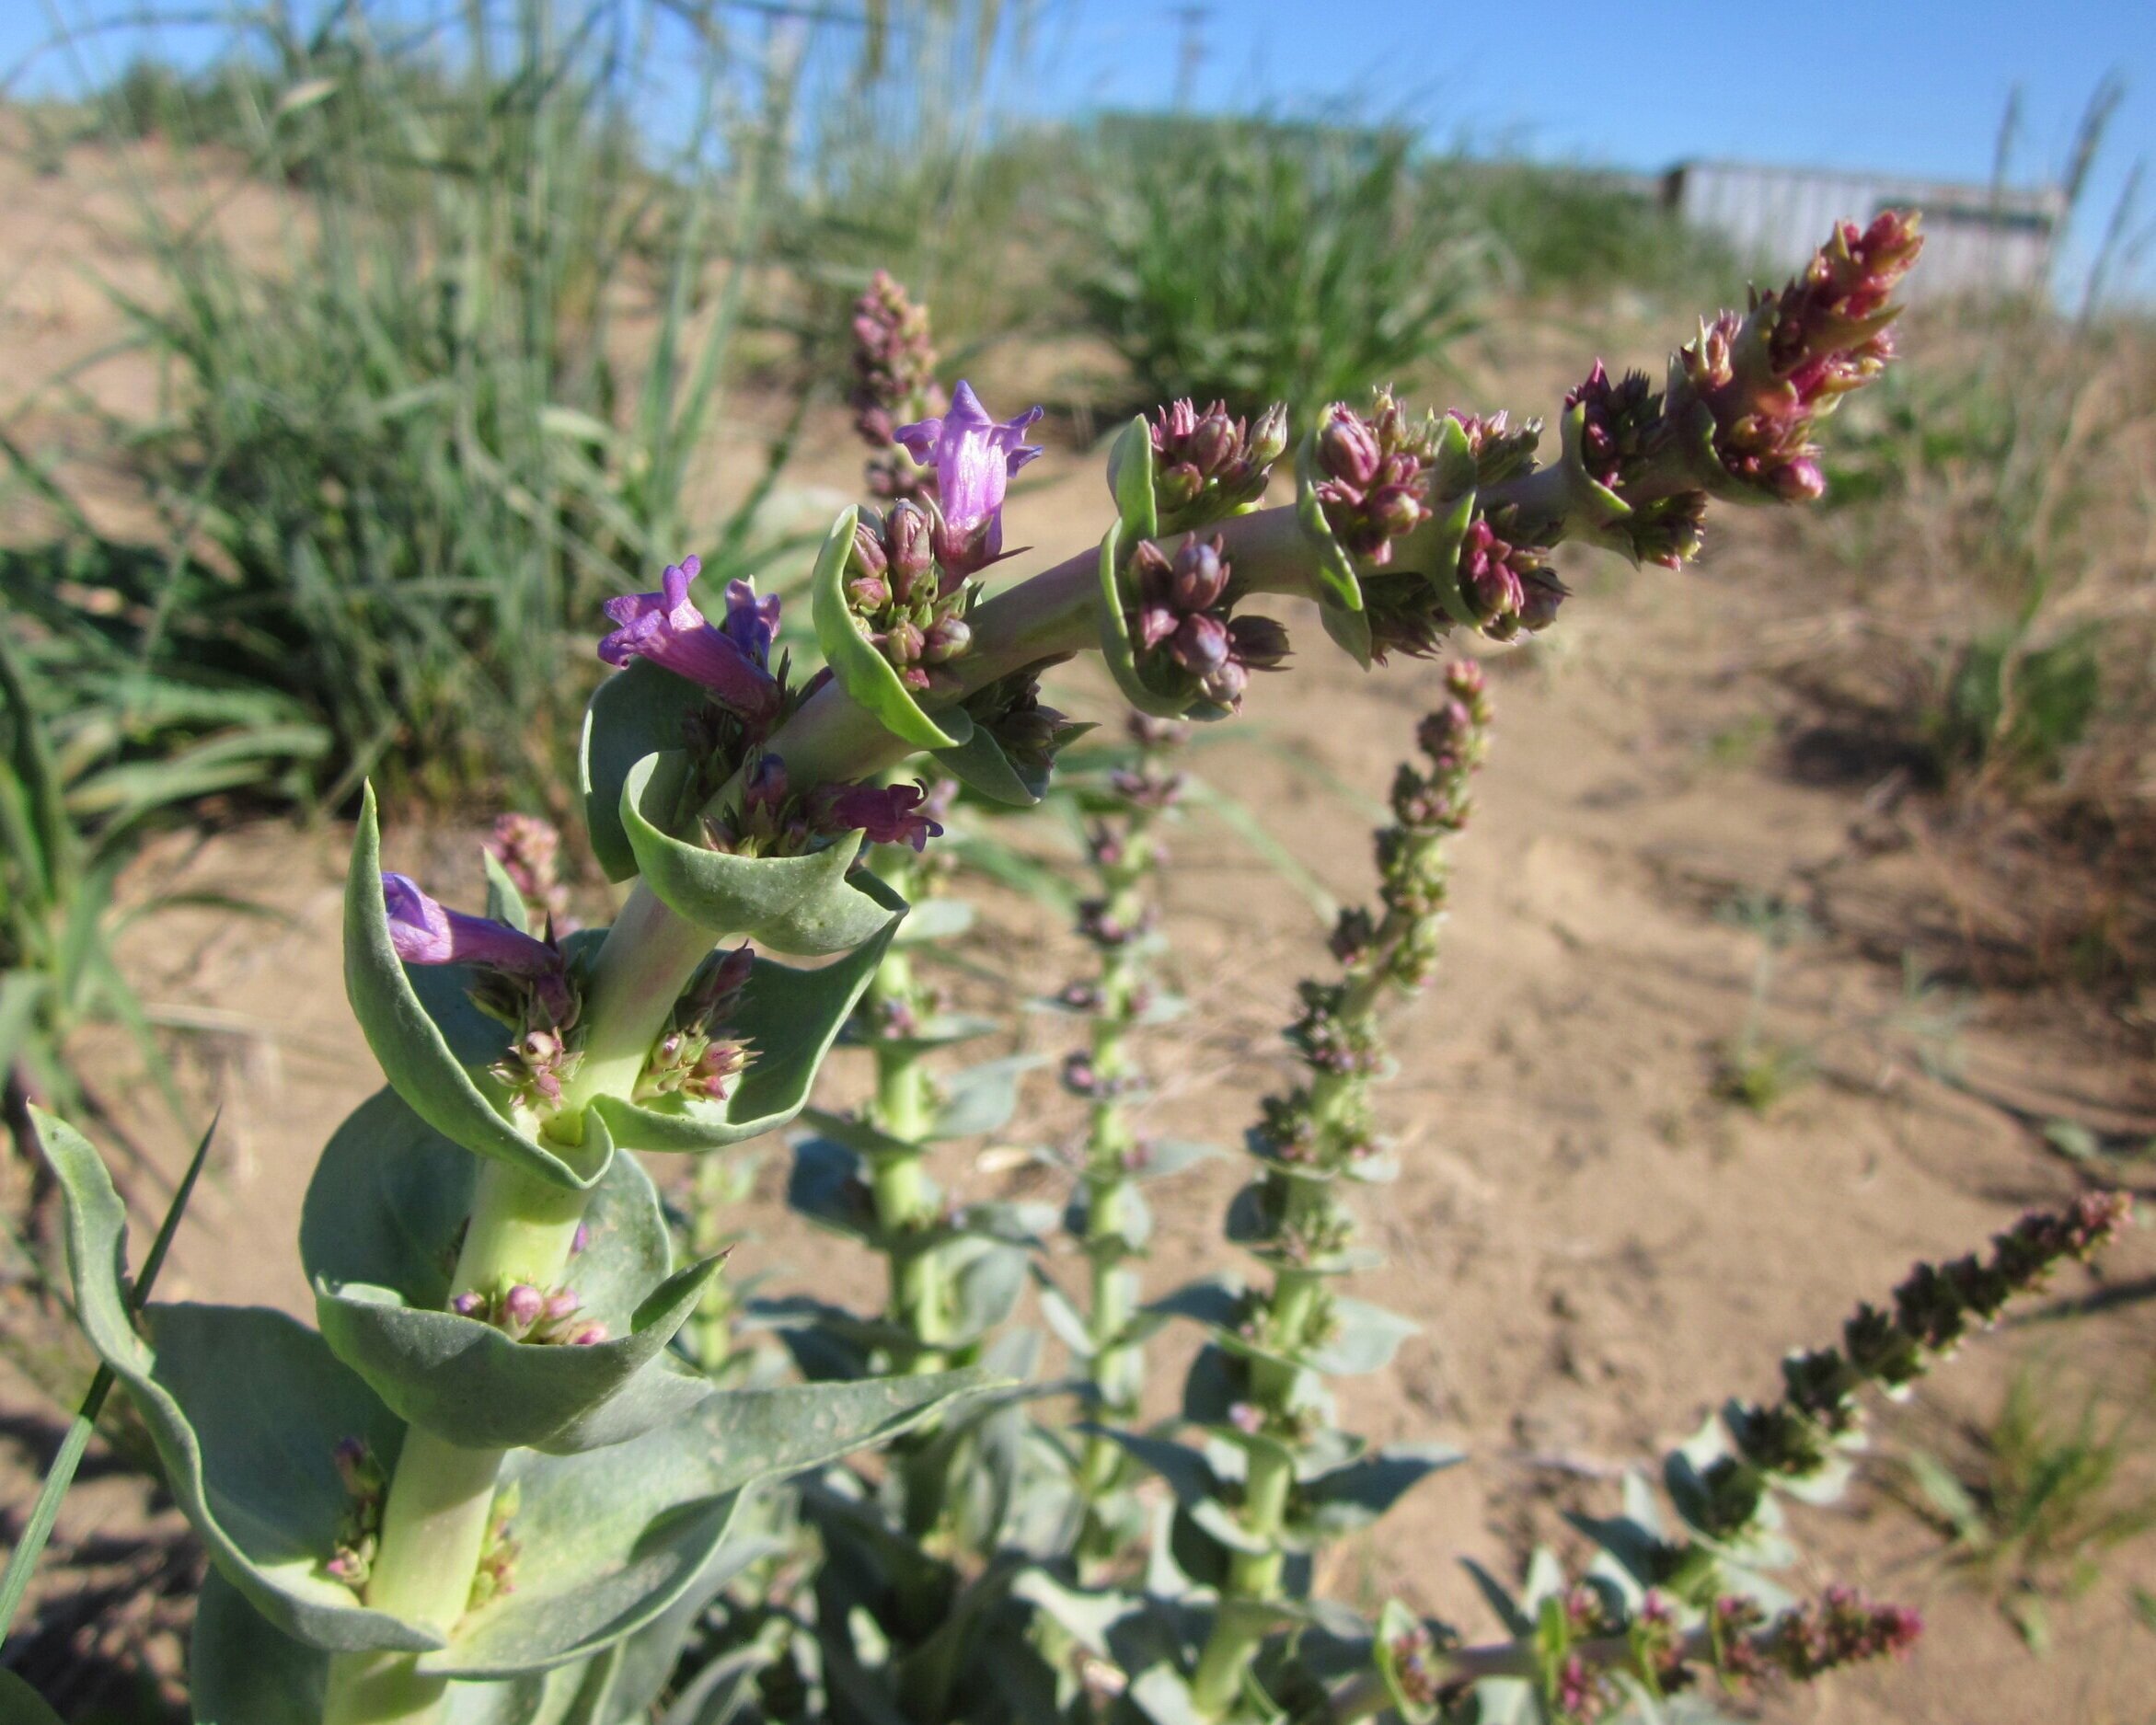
1996,513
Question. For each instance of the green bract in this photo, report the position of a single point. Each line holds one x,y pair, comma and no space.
867,677
640,710
1339,589
804,905
415,1053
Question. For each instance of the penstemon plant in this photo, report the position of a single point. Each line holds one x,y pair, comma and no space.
516,1474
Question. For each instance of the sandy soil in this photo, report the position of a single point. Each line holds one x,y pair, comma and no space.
1598,1249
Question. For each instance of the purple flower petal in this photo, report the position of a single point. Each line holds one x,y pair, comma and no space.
885,814
424,933
974,456
667,628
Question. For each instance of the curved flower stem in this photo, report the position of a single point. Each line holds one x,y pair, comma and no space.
650,953
441,1498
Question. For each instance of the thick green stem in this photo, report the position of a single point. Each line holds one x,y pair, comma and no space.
1241,1624
441,1498
898,1179
642,967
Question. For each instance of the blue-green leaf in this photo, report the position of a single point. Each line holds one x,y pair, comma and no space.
1349,1499
640,710
980,764
981,1098
247,1409
415,1055
870,680
504,898
468,1382
802,904
614,1538
390,1195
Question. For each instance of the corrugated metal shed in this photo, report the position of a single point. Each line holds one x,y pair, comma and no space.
1978,239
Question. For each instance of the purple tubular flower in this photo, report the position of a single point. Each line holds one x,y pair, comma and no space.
974,456
729,660
424,932
886,815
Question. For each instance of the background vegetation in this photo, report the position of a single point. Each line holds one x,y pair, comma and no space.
471,388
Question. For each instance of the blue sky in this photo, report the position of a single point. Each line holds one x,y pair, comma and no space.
1914,87
1907,85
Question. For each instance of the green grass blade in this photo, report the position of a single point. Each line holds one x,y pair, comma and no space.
15,1581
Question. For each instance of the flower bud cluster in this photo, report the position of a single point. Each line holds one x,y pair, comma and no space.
1429,800
895,381
359,1529
1329,1122
1373,474
1511,589
1582,1649
526,1313
1029,732
1745,395
1208,466
1766,377
1499,449
912,611
529,851
1327,1040
1840,1627
496,1573
1184,625
694,1057
516,980
774,820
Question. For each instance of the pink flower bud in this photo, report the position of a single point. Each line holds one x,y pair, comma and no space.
587,1335
868,549
1198,577
1178,487
521,1305
1800,481
1348,448
911,543
1200,644
1211,442
902,643
1396,510
946,640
